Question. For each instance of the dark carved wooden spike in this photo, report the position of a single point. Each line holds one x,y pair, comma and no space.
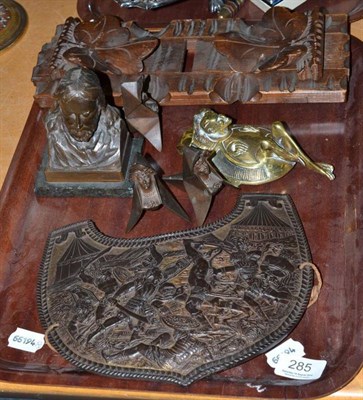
141,112
200,179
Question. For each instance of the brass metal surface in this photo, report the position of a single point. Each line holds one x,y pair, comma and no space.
248,155
13,20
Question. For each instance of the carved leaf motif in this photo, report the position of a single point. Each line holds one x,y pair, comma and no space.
128,58
286,57
228,88
158,88
104,45
267,45
81,56
250,88
281,24
237,87
242,55
103,33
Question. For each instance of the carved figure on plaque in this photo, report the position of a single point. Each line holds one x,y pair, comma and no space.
248,155
179,306
87,138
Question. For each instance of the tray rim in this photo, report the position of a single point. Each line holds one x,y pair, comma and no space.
29,388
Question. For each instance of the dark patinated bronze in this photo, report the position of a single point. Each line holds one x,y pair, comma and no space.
87,138
180,306
200,179
149,192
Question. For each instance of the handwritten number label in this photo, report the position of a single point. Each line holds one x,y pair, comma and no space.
290,347
25,340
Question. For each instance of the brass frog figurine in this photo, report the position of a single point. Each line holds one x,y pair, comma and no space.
248,155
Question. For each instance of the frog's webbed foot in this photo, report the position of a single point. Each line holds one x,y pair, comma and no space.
295,153
326,169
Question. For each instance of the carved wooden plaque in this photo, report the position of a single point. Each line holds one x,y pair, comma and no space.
286,57
180,306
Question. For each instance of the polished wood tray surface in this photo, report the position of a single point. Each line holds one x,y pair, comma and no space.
331,213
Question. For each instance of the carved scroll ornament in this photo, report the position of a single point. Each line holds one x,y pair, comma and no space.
287,56
176,307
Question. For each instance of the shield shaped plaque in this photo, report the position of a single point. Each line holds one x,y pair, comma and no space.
180,306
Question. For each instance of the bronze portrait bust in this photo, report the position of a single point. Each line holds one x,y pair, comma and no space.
85,135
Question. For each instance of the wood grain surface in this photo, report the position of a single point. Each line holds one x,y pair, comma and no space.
331,213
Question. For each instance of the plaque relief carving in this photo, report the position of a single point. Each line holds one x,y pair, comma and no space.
176,307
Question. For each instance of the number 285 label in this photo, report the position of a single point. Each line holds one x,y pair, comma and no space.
300,368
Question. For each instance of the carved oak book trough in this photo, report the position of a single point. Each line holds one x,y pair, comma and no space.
286,57
180,306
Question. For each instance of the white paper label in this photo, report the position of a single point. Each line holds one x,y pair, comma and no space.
299,367
290,347
25,340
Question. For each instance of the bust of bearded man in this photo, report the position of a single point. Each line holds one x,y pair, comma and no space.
86,137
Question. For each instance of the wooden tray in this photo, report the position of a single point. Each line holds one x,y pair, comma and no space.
331,213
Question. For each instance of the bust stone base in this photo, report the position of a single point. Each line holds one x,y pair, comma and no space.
67,183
